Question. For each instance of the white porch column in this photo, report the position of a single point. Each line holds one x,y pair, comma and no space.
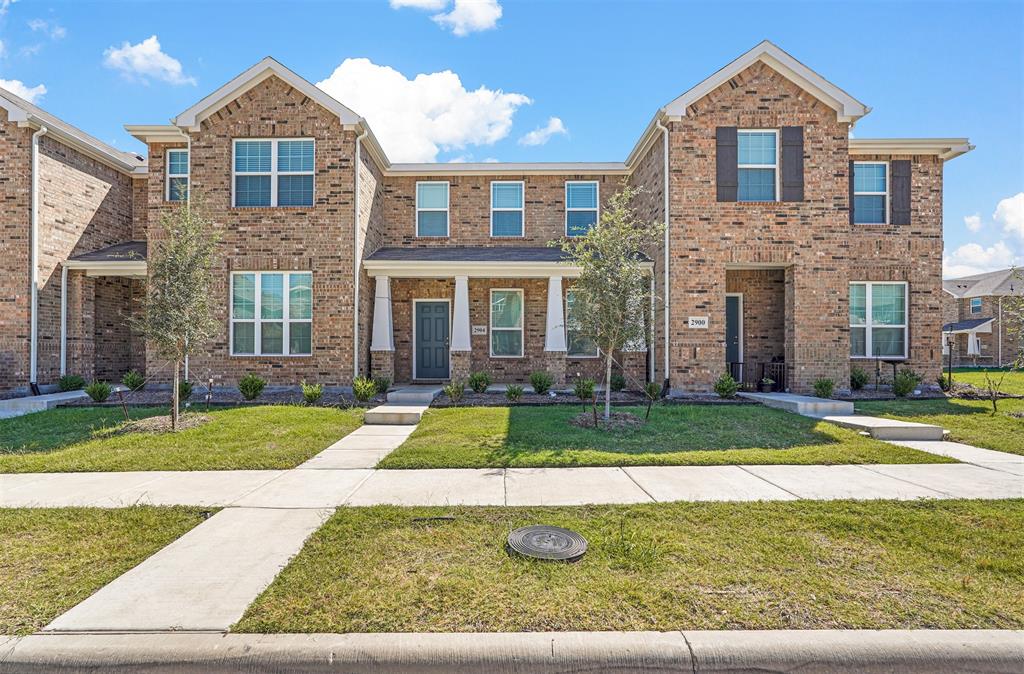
383,332
554,334
460,317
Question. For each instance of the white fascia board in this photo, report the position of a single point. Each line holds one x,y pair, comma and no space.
190,119
510,168
848,108
108,268
448,269
944,148
156,133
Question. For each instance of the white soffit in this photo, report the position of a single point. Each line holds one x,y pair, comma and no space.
944,148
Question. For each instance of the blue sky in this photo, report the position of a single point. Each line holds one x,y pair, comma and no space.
560,80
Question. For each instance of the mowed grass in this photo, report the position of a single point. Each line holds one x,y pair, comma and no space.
82,439
968,421
795,565
1013,382
52,559
484,437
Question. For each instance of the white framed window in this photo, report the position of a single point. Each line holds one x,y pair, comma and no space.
271,313
581,206
975,305
878,319
507,208
432,199
506,323
870,192
272,172
176,188
577,345
757,165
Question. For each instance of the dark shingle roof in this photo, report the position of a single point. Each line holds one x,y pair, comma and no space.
129,251
970,324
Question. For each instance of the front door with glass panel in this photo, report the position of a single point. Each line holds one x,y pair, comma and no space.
734,334
431,340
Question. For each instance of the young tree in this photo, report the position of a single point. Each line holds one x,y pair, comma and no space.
614,287
177,318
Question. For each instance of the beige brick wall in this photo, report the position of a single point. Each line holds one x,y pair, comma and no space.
992,352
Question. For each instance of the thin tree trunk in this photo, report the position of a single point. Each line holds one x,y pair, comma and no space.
174,397
608,389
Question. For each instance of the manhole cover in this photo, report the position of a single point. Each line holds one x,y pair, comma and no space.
544,542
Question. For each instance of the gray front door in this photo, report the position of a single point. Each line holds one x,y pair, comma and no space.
431,340
733,332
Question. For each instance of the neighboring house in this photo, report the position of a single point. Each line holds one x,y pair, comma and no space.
975,324
336,262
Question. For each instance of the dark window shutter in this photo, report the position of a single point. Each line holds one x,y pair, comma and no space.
792,163
900,196
851,193
726,157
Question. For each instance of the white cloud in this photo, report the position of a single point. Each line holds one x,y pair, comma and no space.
972,258
54,30
146,60
19,88
973,222
415,119
5,5
542,134
3,49
470,16
433,5
1010,212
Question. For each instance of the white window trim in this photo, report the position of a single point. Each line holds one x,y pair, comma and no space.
490,322
868,323
257,321
570,354
885,213
273,173
597,209
446,209
521,209
971,305
774,167
169,175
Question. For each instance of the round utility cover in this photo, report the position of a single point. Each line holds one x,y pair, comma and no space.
551,543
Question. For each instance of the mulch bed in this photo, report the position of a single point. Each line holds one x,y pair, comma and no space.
227,398
617,421
162,424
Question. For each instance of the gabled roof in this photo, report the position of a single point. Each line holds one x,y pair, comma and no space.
268,67
971,325
994,283
848,108
22,112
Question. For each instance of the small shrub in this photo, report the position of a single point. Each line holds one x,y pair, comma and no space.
823,387
133,380
99,391
905,382
584,389
454,390
184,390
541,381
618,382
652,390
71,382
726,386
363,389
251,386
382,383
514,392
943,381
479,381
858,378
312,393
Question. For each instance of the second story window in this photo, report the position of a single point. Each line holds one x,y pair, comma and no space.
177,175
757,164
581,199
975,305
273,173
432,208
870,192
507,208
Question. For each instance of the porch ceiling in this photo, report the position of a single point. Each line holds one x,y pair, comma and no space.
479,261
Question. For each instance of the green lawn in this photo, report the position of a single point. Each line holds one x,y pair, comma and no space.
483,437
52,559
968,421
80,439
1012,383
797,565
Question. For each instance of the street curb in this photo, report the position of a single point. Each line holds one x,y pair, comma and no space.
697,652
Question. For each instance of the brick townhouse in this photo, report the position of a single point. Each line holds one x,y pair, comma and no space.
979,326
792,250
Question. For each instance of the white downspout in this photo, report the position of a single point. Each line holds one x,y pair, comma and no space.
356,255
664,132
63,319
34,260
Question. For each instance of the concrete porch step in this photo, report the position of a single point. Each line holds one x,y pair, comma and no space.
393,414
888,429
798,404
16,407
414,395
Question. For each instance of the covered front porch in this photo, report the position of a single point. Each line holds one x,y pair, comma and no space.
755,326
441,313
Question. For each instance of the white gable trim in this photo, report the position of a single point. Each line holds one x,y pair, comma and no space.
846,106
191,118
